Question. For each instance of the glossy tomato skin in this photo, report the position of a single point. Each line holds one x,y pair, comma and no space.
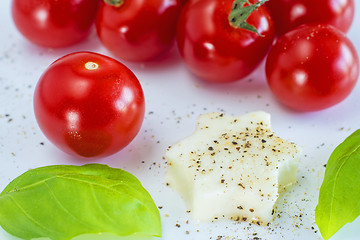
289,14
54,23
216,51
138,30
89,105
312,67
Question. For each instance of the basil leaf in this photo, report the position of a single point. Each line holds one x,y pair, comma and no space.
339,198
62,202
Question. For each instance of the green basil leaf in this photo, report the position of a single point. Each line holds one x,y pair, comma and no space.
63,201
339,197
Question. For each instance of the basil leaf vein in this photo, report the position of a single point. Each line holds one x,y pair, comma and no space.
339,197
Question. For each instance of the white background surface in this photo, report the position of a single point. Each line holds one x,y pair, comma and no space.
174,99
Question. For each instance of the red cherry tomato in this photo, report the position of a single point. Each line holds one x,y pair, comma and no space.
138,30
312,67
288,14
54,23
183,2
216,51
89,105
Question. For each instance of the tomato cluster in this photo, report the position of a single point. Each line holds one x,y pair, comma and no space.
98,107
135,30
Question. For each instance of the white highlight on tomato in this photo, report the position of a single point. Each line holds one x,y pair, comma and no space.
305,49
125,100
297,11
338,6
41,15
300,77
73,119
91,66
124,29
346,62
209,46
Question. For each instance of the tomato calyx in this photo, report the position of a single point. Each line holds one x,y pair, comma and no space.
240,11
115,3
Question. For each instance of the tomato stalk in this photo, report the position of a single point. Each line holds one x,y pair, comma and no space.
115,3
240,12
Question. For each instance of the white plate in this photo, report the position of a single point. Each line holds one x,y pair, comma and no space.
174,99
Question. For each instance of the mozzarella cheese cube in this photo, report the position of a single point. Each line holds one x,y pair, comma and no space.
232,168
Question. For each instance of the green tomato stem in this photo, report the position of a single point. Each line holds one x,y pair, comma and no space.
240,13
115,3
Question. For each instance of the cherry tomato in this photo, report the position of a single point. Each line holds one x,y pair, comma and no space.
54,23
216,51
138,30
89,105
312,67
288,14
183,2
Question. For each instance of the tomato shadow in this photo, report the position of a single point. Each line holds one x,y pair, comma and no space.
254,82
144,153
90,44
169,59
131,158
